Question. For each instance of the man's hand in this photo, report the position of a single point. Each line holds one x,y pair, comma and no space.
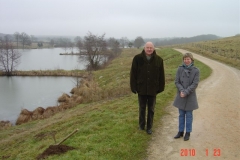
135,92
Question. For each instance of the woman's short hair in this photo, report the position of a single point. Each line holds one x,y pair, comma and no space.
188,55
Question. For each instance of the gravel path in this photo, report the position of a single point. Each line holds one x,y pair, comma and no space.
216,124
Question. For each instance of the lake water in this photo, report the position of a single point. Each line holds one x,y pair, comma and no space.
48,59
19,92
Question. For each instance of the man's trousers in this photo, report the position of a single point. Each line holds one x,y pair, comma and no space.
146,101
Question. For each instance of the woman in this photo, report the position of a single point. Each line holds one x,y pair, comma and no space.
187,78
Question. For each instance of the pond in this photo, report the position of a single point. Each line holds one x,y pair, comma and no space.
31,92
18,93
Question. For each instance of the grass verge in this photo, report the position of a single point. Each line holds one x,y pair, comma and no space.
225,50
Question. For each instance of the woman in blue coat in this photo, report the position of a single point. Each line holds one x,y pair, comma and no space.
187,78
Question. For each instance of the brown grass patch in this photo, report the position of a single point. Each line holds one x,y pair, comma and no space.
63,106
24,116
79,99
38,113
64,98
5,124
73,90
49,111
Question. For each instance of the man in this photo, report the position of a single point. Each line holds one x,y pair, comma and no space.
147,79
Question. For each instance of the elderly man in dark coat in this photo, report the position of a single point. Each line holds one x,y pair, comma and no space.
147,79
187,78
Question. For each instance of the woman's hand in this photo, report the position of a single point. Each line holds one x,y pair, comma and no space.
182,94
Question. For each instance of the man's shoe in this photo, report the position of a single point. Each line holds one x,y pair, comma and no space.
187,135
149,131
180,134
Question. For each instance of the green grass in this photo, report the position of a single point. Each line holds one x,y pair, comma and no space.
108,129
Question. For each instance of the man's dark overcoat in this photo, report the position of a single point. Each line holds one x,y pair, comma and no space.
147,76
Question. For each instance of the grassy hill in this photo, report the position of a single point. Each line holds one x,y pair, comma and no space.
108,129
226,50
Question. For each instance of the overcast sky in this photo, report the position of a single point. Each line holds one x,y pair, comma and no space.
121,18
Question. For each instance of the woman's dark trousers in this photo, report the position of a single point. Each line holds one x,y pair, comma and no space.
146,101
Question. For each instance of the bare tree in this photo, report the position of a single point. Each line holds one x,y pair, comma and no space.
114,47
33,38
139,42
110,42
130,44
9,57
78,43
95,47
1,44
123,42
71,46
17,37
52,42
40,44
25,39
64,43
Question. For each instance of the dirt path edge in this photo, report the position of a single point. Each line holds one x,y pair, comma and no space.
216,124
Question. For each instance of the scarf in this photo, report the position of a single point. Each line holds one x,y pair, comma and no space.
187,67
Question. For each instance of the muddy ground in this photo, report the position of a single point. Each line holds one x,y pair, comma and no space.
216,124
54,150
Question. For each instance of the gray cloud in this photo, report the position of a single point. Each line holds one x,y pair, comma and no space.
121,18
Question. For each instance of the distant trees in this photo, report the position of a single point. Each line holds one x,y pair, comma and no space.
71,46
33,38
64,43
114,47
130,44
17,37
97,50
138,42
25,39
40,44
78,43
9,57
123,42
52,43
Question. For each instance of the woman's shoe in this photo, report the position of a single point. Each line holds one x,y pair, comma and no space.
187,135
180,134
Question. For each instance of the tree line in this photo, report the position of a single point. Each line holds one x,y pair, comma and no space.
68,44
21,40
96,50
